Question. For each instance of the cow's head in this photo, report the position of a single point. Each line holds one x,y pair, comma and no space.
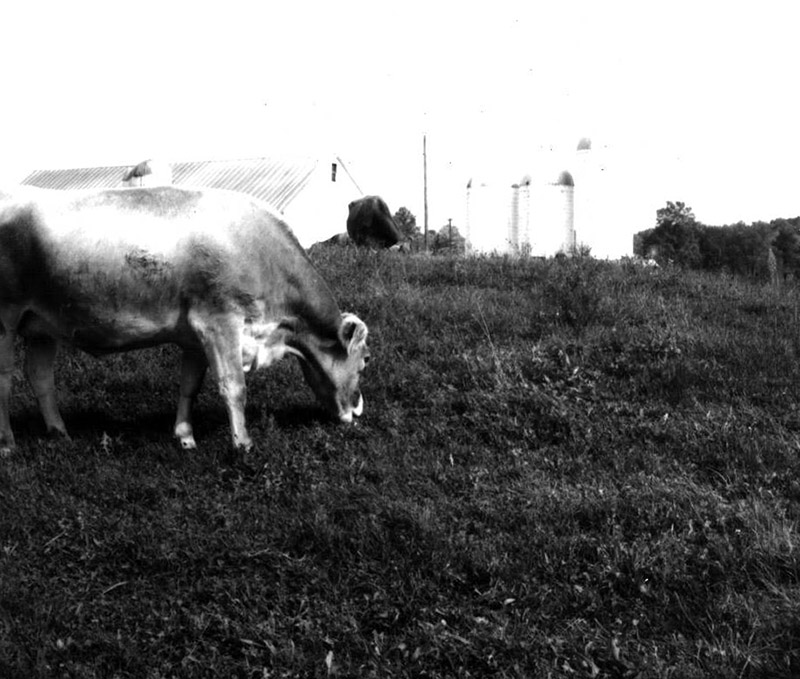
333,372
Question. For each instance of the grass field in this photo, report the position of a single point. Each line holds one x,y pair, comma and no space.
565,469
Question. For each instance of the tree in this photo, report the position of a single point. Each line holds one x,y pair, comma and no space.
714,246
675,213
757,250
786,247
449,241
641,241
676,237
407,223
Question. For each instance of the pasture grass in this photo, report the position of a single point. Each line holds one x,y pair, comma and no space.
565,469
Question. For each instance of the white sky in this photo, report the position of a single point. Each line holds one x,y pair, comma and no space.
696,101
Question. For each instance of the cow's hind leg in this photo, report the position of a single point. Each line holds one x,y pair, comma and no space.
40,355
193,370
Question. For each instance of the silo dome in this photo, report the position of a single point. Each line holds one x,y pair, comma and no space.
565,179
585,144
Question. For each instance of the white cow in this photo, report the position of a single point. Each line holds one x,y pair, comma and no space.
214,272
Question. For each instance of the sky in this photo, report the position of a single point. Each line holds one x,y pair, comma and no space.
691,101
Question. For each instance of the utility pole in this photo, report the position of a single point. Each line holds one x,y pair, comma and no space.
425,184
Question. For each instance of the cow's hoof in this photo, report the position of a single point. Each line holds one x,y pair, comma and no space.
188,443
7,445
183,432
54,434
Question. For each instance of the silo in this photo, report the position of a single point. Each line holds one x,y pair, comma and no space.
564,216
555,222
585,217
524,230
513,220
469,220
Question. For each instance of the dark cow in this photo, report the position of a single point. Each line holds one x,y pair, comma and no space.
370,223
212,271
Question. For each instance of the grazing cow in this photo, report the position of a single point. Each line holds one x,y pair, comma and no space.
212,271
370,223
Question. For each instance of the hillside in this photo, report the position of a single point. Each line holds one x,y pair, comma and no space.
565,469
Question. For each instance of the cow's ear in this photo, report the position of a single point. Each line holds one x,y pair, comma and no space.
353,332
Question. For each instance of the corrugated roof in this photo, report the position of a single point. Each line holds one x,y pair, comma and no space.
276,181
79,178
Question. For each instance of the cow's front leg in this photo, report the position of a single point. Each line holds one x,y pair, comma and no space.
222,343
40,355
193,370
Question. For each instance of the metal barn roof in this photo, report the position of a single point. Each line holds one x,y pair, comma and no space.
276,181
80,178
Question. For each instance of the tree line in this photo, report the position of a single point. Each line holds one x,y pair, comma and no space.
447,240
760,250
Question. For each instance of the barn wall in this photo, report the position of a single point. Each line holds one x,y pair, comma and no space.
320,210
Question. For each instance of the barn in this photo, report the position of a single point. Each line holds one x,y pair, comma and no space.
311,193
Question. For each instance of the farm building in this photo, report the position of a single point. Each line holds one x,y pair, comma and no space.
311,193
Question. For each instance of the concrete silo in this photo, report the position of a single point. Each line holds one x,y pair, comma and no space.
565,211
530,217
582,172
607,209
524,216
513,219
554,226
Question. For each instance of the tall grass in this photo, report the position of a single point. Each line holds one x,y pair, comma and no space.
566,468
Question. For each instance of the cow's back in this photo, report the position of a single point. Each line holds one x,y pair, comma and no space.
93,257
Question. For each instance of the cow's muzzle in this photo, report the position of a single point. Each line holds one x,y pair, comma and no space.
357,409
